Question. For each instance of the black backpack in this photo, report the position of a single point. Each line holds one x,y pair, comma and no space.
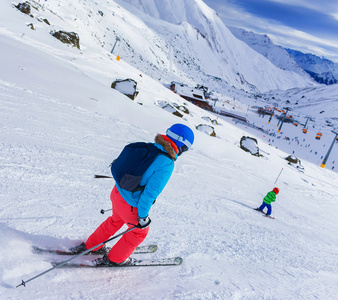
131,164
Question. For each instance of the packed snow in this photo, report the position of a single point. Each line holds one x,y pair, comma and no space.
61,123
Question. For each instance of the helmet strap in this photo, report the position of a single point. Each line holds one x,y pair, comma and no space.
178,138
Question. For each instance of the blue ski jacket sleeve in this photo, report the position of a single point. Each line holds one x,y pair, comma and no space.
154,179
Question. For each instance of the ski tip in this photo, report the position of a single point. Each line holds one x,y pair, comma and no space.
179,260
146,249
153,248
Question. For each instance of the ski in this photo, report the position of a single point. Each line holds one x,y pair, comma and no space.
264,215
174,261
139,250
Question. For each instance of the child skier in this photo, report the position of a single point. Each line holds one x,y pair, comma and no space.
270,197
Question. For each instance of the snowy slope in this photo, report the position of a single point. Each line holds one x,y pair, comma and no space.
320,103
61,123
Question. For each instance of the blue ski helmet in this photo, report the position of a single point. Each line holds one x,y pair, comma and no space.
181,135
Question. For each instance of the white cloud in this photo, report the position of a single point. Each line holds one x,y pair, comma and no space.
324,6
280,34
299,37
304,42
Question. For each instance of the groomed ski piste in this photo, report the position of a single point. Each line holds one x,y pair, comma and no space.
61,123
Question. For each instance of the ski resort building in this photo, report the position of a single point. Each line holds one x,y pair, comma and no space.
193,95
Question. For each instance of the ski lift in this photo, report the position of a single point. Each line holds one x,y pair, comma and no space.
318,136
304,130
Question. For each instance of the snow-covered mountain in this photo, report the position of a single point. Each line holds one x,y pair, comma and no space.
190,44
321,69
197,43
274,53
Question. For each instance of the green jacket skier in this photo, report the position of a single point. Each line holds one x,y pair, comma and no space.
268,199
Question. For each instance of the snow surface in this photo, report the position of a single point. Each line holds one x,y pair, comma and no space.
61,123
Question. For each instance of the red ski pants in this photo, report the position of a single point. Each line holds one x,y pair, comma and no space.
123,213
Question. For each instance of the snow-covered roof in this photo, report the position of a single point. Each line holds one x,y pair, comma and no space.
185,90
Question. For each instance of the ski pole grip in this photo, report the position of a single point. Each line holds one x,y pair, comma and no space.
102,176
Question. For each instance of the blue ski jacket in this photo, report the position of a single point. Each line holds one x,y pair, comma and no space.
154,179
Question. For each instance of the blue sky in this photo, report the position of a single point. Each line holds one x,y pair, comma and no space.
310,26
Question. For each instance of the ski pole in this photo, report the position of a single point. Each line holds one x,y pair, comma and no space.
102,176
104,210
82,253
278,175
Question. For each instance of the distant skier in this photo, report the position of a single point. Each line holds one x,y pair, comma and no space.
132,207
270,197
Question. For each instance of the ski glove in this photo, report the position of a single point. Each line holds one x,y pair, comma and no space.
143,222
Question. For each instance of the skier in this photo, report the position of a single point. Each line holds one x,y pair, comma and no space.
132,208
270,197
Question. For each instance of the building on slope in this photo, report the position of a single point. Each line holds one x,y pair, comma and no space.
193,95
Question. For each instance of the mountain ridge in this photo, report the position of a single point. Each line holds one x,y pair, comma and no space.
322,70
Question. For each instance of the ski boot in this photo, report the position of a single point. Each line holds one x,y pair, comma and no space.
104,261
82,247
